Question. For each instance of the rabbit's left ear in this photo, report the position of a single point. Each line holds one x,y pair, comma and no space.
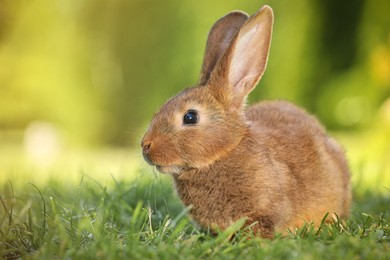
242,65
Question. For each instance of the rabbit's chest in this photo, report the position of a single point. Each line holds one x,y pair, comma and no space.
217,198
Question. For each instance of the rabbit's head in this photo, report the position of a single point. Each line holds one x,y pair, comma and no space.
203,124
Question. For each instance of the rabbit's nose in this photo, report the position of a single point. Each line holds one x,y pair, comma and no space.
146,147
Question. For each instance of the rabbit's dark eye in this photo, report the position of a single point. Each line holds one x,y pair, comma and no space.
190,117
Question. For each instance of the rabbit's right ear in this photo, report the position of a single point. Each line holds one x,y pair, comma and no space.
242,65
219,39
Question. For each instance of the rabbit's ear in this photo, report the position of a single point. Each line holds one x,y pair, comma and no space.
244,62
219,39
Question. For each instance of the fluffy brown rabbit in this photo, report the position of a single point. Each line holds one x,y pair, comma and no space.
271,163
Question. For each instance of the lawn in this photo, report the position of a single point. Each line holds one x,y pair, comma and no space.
113,205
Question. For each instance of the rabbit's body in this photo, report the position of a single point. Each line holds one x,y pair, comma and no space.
281,175
271,163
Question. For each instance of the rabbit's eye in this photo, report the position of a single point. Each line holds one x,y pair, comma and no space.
190,117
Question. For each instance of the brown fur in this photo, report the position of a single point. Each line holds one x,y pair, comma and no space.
271,163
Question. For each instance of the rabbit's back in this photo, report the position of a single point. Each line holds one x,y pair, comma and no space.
316,174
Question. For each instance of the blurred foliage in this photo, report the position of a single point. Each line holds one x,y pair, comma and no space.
97,70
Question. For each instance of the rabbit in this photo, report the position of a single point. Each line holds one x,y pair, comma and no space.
270,163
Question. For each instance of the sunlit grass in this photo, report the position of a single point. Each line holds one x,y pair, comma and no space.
69,166
368,153
143,218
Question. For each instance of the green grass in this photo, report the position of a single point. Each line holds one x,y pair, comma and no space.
143,218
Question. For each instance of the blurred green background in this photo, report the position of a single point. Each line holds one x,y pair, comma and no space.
91,73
